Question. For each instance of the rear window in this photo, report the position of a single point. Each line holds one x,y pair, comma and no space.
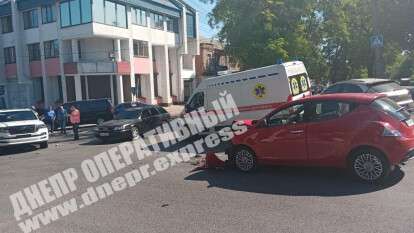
385,87
390,107
299,84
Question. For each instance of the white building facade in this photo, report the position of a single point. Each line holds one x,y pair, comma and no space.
124,50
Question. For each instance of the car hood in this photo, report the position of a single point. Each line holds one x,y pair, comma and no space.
19,123
114,123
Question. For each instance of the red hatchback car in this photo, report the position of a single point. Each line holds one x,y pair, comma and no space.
367,133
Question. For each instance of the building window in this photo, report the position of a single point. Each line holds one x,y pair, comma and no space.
6,24
51,49
34,52
140,48
30,19
139,17
110,13
48,14
9,55
172,24
191,29
157,21
75,12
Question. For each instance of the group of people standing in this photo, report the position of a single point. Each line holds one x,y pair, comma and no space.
61,116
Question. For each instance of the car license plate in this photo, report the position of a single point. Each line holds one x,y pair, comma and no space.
104,134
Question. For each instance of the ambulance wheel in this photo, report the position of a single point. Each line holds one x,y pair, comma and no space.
244,159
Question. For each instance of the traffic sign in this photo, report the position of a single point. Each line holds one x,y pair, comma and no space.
377,41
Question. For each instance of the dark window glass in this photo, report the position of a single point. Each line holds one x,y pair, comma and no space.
17,116
86,8
121,16
64,14
139,17
329,110
34,52
75,14
292,115
140,48
6,24
351,88
390,107
98,11
157,21
30,19
385,87
333,89
51,49
191,29
197,101
172,24
10,55
299,84
48,14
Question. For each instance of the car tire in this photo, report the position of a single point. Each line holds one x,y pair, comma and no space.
135,133
370,166
44,145
99,121
244,159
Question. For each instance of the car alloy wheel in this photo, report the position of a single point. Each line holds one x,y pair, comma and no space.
245,160
368,167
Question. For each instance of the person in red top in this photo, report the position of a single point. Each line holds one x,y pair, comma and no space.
75,120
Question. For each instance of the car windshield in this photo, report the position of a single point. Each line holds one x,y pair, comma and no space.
125,115
390,107
385,87
17,116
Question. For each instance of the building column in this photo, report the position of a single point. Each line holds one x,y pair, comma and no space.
78,87
162,61
44,75
180,80
132,73
111,78
148,82
75,58
86,87
119,84
62,67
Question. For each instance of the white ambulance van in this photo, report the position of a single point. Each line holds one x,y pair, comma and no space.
256,92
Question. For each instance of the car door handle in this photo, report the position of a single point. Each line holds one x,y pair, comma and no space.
297,131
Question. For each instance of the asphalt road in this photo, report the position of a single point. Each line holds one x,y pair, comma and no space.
182,200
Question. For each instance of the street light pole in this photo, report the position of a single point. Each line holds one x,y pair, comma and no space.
378,66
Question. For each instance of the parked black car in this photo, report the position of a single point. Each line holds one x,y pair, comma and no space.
92,111
393,90
124,106
131,123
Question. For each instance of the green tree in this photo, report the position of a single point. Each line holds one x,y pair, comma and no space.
332,37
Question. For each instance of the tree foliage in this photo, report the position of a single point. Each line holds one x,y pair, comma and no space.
332,37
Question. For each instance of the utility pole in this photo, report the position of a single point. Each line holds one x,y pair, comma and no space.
378,66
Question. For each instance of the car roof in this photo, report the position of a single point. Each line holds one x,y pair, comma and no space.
366,81
16,110
361,98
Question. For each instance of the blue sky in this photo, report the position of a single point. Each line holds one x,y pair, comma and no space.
203,9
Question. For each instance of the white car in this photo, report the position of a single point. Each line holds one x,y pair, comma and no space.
22,126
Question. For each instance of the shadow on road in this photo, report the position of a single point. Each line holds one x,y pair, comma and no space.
17,150
292,181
